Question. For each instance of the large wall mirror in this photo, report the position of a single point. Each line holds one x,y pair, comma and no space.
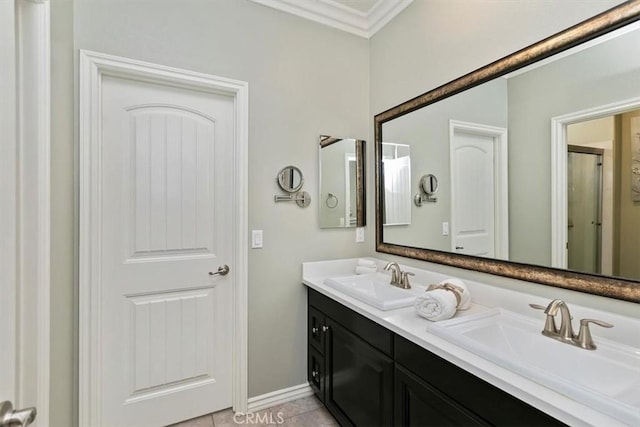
342,189
538,163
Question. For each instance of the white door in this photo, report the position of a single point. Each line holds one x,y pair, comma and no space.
167,167
472,199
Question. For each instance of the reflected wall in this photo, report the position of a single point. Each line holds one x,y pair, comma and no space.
427,132
600,75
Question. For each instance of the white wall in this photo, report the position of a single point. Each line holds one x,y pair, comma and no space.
64,352
305,80
435,41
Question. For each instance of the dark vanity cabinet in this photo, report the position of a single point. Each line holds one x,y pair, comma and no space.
350,364
368,376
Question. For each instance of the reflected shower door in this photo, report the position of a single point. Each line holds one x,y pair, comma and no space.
585,207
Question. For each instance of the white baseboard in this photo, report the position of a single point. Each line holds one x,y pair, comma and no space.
279,397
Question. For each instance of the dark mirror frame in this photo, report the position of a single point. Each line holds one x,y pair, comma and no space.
590,29
360,151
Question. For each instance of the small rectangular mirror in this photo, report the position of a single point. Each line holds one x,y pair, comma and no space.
342,192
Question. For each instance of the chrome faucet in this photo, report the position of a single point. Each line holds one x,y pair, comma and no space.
566,330
399,278
565,333
396,273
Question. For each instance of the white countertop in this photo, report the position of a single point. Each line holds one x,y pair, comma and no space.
406,323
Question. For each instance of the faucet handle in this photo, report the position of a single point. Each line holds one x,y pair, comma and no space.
550,327
584,336
586,322
404,281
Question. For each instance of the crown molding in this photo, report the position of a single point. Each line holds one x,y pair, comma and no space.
336,15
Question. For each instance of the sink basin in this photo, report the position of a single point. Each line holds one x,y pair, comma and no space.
373,289
606,379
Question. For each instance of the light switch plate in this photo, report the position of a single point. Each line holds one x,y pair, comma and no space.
256,239
359,234
445,228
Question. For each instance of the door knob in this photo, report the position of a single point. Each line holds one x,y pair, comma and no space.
223,270
15,418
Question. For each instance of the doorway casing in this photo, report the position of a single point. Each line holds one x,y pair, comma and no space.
559,170
25,319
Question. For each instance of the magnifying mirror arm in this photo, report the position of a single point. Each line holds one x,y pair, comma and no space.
419,199
302,198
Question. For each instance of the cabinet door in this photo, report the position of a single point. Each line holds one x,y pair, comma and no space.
359,380
316,372
419,404
479,397
316,329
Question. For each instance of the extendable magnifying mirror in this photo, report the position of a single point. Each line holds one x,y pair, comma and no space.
291,180
428,187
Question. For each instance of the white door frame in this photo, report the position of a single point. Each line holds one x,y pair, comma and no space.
559,158
9,200
93,67
500,180
25,197
348,157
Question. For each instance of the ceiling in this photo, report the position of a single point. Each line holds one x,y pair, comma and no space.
361,17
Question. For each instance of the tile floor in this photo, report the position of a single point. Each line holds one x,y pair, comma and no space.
305,412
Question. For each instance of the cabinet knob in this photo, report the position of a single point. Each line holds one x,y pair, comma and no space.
314,330
314,374
325,328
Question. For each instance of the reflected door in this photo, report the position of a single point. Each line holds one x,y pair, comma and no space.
472,194
584,219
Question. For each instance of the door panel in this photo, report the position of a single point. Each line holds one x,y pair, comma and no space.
171,201
171,333
166,221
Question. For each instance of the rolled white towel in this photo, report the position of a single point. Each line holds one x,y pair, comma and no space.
439,304
365,270
367,263
461,289
441,301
